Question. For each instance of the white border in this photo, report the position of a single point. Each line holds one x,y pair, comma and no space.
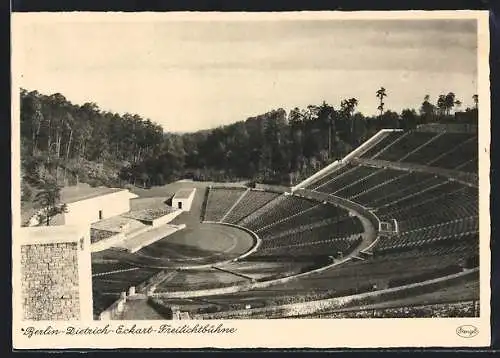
360,333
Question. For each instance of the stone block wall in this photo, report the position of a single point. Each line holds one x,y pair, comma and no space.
50,281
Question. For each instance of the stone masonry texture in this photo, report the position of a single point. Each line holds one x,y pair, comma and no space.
50,289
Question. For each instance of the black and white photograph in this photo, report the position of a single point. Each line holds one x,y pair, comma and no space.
250,167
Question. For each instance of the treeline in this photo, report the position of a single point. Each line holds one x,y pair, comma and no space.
81,143
282,148
69,143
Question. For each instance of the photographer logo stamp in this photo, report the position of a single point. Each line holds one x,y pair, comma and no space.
467,331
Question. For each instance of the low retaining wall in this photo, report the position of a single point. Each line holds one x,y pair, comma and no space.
273,188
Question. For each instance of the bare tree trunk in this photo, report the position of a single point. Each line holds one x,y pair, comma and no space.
35,136
38,129
33,143
352,129
69,144
49,141
58,141
330,141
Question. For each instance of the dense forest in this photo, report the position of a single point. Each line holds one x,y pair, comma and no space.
69,143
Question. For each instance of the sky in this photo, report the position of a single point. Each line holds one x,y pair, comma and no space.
190,75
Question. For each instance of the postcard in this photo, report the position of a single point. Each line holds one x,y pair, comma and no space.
251,180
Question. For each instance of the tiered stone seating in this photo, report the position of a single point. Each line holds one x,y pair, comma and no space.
390,138
449,197
444,150
403,182
422,238
455,207
369,182
347,178
429,193
405,146
219,201
316,214
470,166
462,154
435,241
428,207
408,186
464,224
336,172
252,201
444,143
344,227
384,269
284,208
331,247
456,309
437,220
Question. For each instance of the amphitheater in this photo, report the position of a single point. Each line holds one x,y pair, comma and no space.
390,230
